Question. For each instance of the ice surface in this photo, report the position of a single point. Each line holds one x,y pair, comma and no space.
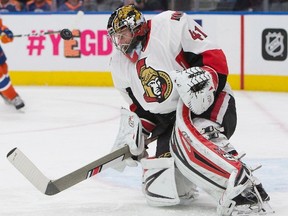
64,128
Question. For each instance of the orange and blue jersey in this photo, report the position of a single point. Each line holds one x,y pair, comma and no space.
2,56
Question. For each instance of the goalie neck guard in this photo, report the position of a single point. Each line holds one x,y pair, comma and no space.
127,18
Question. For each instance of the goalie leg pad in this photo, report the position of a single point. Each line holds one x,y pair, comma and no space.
158,182
214,170
187,191
214,132
226,203
199,159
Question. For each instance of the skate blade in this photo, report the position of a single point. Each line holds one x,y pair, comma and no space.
248,210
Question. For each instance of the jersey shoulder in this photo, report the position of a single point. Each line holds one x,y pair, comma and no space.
169,16
173,20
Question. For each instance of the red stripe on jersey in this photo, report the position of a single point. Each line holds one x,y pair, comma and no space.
208,144
147,36
216,60
217,106
213,58
180,59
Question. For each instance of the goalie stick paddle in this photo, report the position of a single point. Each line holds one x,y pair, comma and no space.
52,187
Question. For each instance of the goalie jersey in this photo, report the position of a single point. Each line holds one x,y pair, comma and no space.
174,42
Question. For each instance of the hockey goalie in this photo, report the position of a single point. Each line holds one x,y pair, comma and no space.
175,82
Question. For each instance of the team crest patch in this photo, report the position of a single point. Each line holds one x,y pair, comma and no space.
156,84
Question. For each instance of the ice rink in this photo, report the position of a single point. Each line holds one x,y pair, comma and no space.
64,128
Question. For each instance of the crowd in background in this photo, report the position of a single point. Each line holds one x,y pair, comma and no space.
144,5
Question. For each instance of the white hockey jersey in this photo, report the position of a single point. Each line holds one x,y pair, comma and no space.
175,42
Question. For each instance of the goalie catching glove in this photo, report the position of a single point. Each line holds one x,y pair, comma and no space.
196,87
130,133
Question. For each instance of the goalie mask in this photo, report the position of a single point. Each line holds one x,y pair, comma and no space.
127,29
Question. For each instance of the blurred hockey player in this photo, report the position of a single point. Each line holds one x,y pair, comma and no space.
175,81
7,90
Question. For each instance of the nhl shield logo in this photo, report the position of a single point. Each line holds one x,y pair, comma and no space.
274,44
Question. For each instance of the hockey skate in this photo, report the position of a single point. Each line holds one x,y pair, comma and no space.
17,102
253,201
245,198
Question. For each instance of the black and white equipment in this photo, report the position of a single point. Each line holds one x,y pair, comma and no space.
196,87
158,182
214,132
164,185
130,133
203,156
244,197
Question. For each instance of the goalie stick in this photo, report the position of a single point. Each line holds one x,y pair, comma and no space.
51,187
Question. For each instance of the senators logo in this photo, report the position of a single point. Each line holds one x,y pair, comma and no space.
156,84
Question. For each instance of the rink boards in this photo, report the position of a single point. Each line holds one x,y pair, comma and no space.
255,47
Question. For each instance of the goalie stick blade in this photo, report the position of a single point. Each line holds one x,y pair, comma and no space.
52,187
28,169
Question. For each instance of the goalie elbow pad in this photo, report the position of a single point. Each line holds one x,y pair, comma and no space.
196,87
